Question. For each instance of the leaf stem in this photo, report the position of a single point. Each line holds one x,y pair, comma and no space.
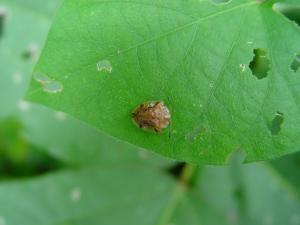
178,194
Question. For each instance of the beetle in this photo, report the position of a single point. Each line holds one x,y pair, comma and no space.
153,115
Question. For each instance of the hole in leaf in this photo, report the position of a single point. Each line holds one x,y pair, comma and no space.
53,87
41,78
195,134
220,1
104,65
49,85
292,12
276,123
296,63
260,65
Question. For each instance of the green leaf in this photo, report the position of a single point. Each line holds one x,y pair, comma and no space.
90,196
260,193
252,194
238,194
194,56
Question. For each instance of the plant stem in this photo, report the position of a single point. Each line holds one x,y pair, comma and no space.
178,193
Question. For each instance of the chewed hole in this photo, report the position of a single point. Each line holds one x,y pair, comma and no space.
292,12
104,65
260,65
220,1
195,134
53,87
49,85
41,78
296,63
276,123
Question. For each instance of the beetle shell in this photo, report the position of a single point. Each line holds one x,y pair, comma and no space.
152,115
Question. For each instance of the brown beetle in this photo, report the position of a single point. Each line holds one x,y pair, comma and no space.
152,115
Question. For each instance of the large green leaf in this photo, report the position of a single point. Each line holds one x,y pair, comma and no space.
253,194
260,193
60,135
194,56
240,194
91,196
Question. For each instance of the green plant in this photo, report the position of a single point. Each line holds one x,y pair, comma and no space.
228,71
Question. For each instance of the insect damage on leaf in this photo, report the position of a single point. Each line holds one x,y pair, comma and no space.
296,63
53,87
104,65
276,123
49,85
152,115
260,65
195,133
